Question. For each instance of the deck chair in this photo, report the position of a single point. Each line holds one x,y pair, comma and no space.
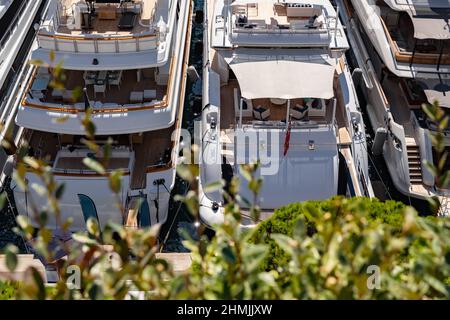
261,113
299,112
99,89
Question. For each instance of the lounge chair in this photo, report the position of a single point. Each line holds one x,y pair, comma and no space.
127,20
261,113
299,112
100,88
136,96
149,95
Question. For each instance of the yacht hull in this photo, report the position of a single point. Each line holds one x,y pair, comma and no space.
384,97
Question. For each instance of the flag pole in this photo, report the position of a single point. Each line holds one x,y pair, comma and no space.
87,103
287,112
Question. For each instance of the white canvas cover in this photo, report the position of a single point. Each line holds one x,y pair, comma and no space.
442,97
286,79
426,27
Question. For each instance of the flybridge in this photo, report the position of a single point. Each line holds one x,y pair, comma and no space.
252,23
75,30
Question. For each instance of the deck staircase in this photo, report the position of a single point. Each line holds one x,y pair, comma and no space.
227,142
414,163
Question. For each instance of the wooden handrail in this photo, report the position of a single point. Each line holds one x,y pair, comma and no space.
86,174
407,57
93,38
158,105
162,104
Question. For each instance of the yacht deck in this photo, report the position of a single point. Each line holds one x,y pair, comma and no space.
43,145
152,149
74,82
76,163
274,14
107,19
399,105
229,119
399,29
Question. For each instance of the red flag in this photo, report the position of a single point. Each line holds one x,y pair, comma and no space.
287,139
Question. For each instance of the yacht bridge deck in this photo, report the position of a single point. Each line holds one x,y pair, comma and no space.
107,18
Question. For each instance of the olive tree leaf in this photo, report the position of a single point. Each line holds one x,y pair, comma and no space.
11,257
3,197
115,180
253,256
213,186
94,165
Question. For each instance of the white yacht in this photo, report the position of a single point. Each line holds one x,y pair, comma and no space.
277,88
16,38
16,17
403,51
130,59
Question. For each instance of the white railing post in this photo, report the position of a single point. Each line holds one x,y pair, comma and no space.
333,118
336,25
240,112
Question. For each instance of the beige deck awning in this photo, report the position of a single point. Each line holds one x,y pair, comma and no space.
426,27
442,97
286,79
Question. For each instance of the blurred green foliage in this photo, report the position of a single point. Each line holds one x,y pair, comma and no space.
284,219
8,290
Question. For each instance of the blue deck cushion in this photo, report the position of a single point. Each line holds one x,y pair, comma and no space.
260,109
144,214
88,208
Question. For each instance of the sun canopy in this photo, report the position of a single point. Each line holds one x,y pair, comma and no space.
430,28
286,79
442,97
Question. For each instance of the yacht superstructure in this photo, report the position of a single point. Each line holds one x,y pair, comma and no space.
277,88
126,62
403,50
16,39
16,17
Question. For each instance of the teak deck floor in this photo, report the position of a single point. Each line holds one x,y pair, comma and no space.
113,94
109,26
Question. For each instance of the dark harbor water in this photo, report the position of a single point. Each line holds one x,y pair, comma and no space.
179,217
